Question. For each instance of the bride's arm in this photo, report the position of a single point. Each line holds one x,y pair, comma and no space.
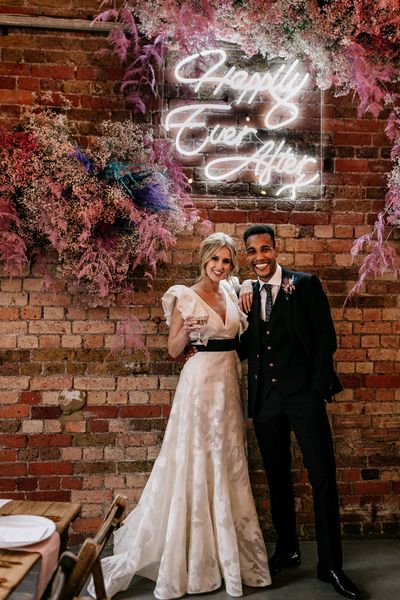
179,333
246,295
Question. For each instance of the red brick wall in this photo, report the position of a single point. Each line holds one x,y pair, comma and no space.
48,344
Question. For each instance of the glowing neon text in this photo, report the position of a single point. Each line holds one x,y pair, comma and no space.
272,157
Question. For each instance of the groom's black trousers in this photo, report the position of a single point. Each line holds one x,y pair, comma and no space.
303,412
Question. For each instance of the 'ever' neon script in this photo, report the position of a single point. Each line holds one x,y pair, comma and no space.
273,156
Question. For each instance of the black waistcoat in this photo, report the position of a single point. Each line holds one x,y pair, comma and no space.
282,357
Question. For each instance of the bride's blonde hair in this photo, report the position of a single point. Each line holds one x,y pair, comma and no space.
209,247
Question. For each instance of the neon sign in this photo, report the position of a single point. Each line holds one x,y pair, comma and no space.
271,157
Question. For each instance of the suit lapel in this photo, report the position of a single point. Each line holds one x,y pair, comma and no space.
254,314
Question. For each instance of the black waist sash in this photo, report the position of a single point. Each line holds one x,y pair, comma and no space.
218,345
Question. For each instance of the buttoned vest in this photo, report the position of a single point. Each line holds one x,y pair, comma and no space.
282,357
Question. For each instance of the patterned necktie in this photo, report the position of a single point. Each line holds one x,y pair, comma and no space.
268,301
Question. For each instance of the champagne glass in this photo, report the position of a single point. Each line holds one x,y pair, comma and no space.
200,320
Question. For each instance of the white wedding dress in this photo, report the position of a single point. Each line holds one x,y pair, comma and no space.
196,524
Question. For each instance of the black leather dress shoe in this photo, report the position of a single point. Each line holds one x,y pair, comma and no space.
342,584
281,560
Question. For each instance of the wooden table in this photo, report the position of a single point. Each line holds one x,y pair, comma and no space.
20,563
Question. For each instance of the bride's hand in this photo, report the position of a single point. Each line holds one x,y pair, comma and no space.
246,295
190,324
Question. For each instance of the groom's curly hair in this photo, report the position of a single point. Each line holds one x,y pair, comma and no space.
257,229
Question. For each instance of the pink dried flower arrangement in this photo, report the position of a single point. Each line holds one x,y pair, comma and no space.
99,213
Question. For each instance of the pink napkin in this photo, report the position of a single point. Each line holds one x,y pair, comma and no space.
48,550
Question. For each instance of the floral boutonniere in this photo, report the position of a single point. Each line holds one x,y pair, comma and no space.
288,286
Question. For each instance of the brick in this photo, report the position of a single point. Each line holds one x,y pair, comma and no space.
370,341
8,397
139,411
49,341
6,485
8,341
48,496
71,483
372,487
45,412
9,314
138,397
50,468
92,327
75,426
52,71
14,412
168,383
49,483
16,96
49,327
31,312
47,299
309,218
53,313
16,469
93,454
118,397
30,397
351,166
61,440
98,426
32,426
14,441
100,412
91,496
387,422
94,439
51,383
74,454
8,456
379,381
351,139
94,341
12,383
138,382
96,397
94,383
71,341
27,341
323,231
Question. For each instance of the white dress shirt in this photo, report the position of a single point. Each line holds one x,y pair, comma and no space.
275,282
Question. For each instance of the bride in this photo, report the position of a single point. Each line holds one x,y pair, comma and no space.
196,524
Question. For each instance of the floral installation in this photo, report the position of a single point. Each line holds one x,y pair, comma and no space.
89,217
288,285
350,45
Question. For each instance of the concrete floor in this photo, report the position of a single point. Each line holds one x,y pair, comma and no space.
373,565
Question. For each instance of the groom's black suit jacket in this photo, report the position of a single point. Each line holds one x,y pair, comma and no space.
309,322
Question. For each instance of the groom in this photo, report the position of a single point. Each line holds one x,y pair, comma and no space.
290,344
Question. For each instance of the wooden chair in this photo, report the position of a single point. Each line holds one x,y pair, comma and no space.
111,521
73,571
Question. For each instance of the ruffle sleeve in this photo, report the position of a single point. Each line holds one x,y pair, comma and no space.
179,295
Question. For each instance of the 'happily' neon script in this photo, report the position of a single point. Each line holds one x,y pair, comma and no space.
273,156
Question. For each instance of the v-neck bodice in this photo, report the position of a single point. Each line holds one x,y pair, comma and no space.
210,308
189,303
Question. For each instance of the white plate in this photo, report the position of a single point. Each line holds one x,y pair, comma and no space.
23,530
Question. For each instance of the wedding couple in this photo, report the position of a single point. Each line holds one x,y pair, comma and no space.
196,524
